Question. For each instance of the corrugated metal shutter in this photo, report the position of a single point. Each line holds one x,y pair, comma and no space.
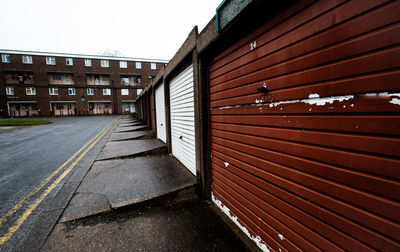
182,119
160,113
312,163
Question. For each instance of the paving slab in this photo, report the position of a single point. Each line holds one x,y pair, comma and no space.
145,134
127,120
117,183
131,148
85,204
128,124
193,226
131,128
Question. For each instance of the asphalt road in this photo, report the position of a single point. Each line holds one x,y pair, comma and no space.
28,155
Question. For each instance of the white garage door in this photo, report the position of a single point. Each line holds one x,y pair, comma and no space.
182,119
160,113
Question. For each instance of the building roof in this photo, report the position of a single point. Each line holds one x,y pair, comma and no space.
85,56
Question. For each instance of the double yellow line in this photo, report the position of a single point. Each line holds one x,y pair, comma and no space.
33,206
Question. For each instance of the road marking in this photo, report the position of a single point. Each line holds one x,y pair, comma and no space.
44,182
33,206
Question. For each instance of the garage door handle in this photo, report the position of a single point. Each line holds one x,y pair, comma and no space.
180,137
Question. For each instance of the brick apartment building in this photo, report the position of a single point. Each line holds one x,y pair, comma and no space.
45,84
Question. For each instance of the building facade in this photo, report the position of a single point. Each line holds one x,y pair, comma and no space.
55,84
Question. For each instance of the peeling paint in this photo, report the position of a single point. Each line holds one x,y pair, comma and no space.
314,99
330,100
226,210
226,164
395,101
311,96
225,107
274,104
381,94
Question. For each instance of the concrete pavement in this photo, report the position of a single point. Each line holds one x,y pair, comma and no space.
131,148
139,199
143,134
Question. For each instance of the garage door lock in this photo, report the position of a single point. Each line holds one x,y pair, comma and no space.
262,89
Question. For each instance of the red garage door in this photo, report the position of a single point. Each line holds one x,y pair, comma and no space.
305,128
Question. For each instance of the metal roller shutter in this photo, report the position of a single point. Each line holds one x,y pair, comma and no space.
182,119
160,113
305,129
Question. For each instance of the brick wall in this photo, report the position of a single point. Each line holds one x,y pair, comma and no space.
41,71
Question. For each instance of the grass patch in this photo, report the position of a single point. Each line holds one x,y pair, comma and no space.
22,122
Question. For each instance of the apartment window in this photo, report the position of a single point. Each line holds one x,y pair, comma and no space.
153,66
61,78
57,77
53,91
88,62
124,91
9,90
138,91
5,58
50,60
71,91
90,91
15,77
98,79
27,59
125,80
105,63
30,91
123,64
138,65
106,91
69,61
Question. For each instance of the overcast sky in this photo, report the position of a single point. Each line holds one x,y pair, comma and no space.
137,28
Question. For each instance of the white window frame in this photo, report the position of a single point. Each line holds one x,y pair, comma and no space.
10,90
106,91
69,61
123,64
90,91
138,65
53,91
124,91
51,61
5,58
32,91
105,63
27,59
71,91
88,62
153,66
